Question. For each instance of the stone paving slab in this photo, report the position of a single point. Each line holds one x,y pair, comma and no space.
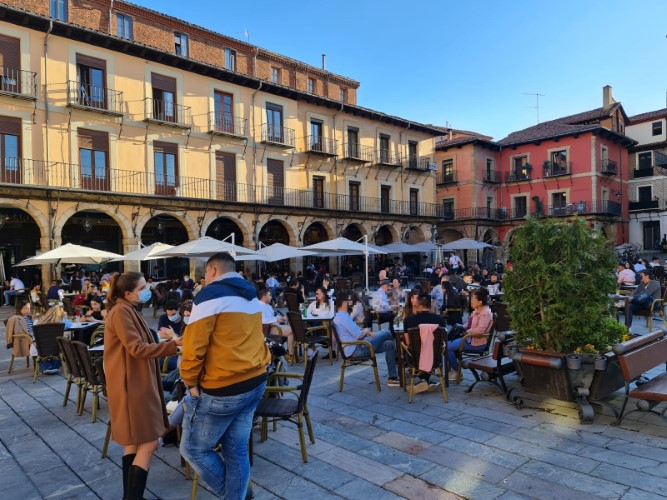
369,444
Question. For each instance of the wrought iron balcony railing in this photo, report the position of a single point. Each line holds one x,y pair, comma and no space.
492,176
227,124
358,152
447,178
499,214
643,172
278,135
420,163
167,113
517,176
18,83
94,98
557,168
388,157
643,205
321,145
608,167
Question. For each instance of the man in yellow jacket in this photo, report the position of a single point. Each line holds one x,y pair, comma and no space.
224,368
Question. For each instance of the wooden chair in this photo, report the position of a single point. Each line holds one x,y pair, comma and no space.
92,379
273,409
18,337
494,366
75,375
304,338
369,360
657,307
99,369
46,335
411,352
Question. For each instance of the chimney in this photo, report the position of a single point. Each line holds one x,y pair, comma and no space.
324,62
607,99
449,133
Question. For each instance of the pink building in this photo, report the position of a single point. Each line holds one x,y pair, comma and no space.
572,165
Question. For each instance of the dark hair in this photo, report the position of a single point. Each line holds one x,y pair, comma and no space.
476,278
222,260
324,292
20,304
171,305
482,295
120,284
343,296
187,295
263,293
186,306
424,300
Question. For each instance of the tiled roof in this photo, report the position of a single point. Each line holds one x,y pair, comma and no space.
650,115
461,141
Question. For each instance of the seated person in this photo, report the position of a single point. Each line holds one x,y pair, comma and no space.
52,292
422,315
104,286
270,316
494,286
297,288
486,276
187,283
625,276
481,322
97,312
19,324
383,307
348,331
36,294
643,296
15,286
198,287
327,285
395,295
171,319
320,306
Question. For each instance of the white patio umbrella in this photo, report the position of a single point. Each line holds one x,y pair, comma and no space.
398,248
465,244
70,254
204,247
424,246
275,252
145,253
342,246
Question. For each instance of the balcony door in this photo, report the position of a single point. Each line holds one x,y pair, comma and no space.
354,196
10,150
318,192
165,156
353,142
90,78
94,159
384,148
164,98
385,199
224,118
275,182
274,123
225,176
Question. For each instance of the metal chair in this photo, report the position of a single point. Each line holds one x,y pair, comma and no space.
46,342
411,352
75,375
92,379
369,360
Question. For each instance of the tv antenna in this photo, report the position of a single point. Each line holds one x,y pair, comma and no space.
537,103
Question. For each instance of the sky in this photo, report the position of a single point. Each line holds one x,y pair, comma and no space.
467,65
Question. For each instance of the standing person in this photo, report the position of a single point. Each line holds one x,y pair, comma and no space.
455,263
134,386
224,367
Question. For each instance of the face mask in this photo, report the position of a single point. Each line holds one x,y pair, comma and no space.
186,319
145,295
174,318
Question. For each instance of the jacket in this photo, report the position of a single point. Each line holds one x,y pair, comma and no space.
17,325
225,344
134,386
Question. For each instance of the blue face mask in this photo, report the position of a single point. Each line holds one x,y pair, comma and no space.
174,318
145,295
186,319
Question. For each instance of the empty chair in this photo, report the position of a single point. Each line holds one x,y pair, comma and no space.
93,380
291,301
46,343
74,373
493,367
304,337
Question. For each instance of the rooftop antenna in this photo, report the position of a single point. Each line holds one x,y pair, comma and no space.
537,103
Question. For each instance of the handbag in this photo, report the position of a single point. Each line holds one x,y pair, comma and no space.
456,332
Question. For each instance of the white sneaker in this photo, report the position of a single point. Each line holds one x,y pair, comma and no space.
420,387
433,386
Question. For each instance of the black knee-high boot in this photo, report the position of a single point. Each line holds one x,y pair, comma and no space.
136,483
127,463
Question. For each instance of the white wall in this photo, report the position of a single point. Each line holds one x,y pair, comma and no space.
643,132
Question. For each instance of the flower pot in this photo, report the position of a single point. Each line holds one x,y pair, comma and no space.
608,380
544,374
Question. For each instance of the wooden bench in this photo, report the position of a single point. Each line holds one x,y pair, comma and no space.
494,366
637,356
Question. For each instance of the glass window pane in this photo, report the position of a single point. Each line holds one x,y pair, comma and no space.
86,162
100,164
11,151
170,170
159,167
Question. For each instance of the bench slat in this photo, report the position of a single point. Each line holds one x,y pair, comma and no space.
653,390
643,359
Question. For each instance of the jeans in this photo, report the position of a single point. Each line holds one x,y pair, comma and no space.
8,294
382,342
227,420
452,349
641,305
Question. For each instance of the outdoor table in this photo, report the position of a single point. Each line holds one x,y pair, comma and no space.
626,299
79,330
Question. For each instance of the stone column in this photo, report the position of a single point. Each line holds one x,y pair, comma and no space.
130,245
47,276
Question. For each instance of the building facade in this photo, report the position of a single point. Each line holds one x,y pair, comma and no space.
121,126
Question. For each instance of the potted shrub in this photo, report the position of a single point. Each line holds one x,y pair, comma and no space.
558,294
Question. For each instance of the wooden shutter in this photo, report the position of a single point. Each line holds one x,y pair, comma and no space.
91,62
225,166
93,139
10,52
164,83
275,173
10,126
166,147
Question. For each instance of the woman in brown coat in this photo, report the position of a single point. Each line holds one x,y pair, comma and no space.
16,328
134,387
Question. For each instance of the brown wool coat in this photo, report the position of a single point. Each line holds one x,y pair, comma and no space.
134,386
17,325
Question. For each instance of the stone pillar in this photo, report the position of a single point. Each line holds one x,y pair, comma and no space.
47,276
130,245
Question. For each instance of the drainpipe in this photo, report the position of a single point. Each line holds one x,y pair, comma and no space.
46,120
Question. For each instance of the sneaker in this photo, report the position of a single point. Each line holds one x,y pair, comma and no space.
433,386
393,382
326,355
51,371
420,387
452,376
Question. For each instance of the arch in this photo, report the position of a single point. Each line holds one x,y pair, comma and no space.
20,238
316,232
121,220
414,234
39,218
274,231
489,236
209,226
353,231
189,225
448,235
384,235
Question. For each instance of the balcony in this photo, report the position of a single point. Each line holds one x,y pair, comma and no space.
321,145
419,163
517,176
17,83
275,135
447,178
354,151
583,207
492,177
167,113
643,205
387,157
557,168
94,98
225,124
643,172
608,167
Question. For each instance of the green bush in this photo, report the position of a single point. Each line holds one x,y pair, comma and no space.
562,273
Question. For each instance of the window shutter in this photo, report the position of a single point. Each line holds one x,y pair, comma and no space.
275,174
167,147
164,83
93,139
10,126
10,52
91,62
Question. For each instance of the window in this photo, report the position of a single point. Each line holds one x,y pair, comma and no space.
10,149
384,148
275,181
124,26
90,74
274,123
224,106
651,234
318,192
311,85
489,206
164,98
558,202
316,140
165,156
352,142
354,188
413,160
558,162
342,95
489,174
385,199
644,160
521,169
448,208
414,201
93,159
645,193
447,171
275,75
181,44
656,128
230,59
10,65
225,176
520,206
59,10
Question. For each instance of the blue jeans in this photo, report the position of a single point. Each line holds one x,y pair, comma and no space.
227,420
641,305
8,294
453,347
382,342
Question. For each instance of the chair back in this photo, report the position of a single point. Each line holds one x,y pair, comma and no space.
415,346
342,284
97,336
70,357
338,342
291,301
297,326
75,285
502,322
86,364
46,335
659,272
307,380
99,369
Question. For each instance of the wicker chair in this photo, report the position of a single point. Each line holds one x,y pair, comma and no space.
369,360
92,379
46,342
99,369
273,409
411,352
74,373
291,301
18,337
304,338
465,353
97,337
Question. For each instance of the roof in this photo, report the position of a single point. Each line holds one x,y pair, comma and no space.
650,115
446,144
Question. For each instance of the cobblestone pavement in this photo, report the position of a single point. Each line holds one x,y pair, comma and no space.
369,445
